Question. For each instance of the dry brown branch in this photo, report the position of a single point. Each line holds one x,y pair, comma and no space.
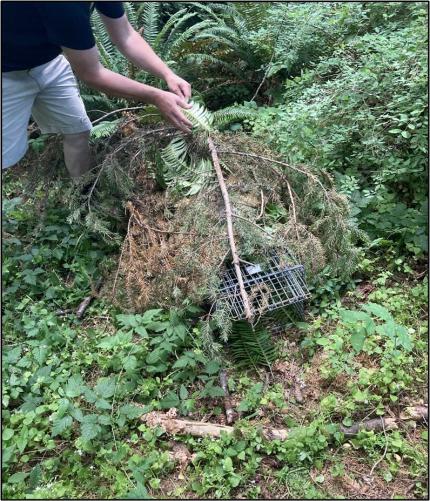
171,424
293,205
413,413
385,451
260,214
229,219
80,311
278,162
175,426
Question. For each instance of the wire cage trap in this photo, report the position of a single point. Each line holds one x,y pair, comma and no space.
279,284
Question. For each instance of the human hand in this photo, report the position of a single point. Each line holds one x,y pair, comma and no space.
179,86
170,106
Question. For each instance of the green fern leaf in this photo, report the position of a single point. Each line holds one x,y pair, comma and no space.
252,345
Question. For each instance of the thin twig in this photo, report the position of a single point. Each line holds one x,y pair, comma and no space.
260,215
385,450
264,76
293,206
254,224
278,162
120,258
117,111
229,219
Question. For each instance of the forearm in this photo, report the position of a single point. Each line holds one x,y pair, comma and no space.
140,53
117,85
87,68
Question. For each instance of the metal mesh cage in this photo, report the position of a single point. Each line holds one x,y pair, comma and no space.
276,285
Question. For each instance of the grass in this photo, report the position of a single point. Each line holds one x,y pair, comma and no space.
74,390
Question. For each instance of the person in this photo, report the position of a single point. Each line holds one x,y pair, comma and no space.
44,45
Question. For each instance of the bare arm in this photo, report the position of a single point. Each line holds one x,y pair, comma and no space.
140,53
87,67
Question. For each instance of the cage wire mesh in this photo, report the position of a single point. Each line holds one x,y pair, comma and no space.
278,285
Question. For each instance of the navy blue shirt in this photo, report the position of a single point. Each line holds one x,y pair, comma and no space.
34,32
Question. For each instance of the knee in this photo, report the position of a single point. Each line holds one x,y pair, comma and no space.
79,140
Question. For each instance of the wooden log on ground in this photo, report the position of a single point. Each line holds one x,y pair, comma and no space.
175,426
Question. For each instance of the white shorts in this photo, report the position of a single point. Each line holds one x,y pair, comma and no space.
50,94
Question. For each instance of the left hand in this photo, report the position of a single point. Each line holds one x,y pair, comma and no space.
179,86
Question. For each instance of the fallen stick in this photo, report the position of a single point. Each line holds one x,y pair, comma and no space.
80,311
61,313
229,217
413,413
172,425
229,412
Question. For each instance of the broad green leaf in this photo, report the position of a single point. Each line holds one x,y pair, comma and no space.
157,326
170,400
63,406
75,386
183,362
227,464
379,311
139,492
119,340
183,392
61,425
89,427
141,331
357,339
7,434
403,337
215,391
149,315
127,320
103,404
212,367
131,411
130,363
104,420
105,387
351,316
16,478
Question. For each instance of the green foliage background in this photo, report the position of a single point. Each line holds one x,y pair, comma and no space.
338,86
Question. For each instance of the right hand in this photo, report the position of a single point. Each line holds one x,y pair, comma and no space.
170,106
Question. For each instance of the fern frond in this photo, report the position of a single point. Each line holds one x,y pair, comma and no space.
252,345
131,12
176,27
213,10
231,114
173,155
203,58
167,26
104,129
150,12
200,117
186,35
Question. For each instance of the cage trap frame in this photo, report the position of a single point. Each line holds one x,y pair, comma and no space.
274,287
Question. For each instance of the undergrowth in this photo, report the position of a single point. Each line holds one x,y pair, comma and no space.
74,390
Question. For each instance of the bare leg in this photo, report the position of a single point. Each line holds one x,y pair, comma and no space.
77,153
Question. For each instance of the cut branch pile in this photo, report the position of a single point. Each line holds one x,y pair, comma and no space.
197,203
176,246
